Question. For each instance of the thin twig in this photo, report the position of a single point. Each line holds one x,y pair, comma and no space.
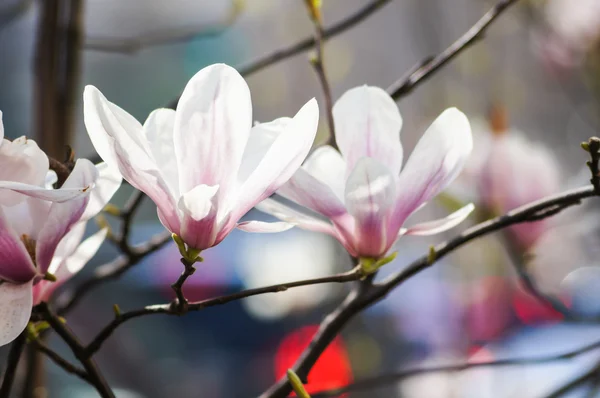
425,69
318,64
380,381
171,309
180,305
14,355
307,43
367,295
577,382
96,378
60,361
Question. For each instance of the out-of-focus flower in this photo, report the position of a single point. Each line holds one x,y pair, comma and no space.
573,30
33,221
516,171
361,190
203,165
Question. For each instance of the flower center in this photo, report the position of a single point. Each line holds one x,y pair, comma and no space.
29,246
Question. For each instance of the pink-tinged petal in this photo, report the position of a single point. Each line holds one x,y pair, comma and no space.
51,179
62,216
23,161
264,227
295,217
199,223
327,165
15,262
52,195
367,124
212,123
282,159
436,161
67,246
159,129
16,302
370,195
108,182
441,225
120,140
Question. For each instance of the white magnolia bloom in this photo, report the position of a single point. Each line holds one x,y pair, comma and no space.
203,165
35,220
362,190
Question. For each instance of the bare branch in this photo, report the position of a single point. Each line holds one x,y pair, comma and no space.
60,361
380,381
14,355
429,66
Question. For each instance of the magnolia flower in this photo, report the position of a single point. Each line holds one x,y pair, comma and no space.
362,190
33,221
203,165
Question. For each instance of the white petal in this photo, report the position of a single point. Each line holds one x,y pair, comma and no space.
51,179
264,227
23,161
436,161
212,123
295,217
441,225
159,129
198,202
282,159
368,123
83,253
53,195
15,263
108,182
328,166
199,222
15,309
67,246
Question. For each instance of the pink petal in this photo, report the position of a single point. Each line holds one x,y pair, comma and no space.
212,123
62,216
435,162
15,263
441,225
368,123
199,223
264,227
16,302
295,217
108,182
282,159
327,165
159,129
370,195
23,161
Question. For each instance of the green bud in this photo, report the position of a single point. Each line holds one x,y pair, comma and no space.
49,277
370,265
431,257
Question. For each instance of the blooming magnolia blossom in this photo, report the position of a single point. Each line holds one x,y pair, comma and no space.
362,190
35,220
203,165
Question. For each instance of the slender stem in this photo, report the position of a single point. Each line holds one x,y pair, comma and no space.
171,309
14,355
96,378
380,381
367,295
429,66
576,383
306,43
60,361
181,304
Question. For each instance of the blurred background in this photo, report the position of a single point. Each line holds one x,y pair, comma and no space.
531,89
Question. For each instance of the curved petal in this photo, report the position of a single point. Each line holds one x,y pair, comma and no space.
23,161
212,123
282,159
328,166
370,194
119,140
80,257
52,195
15,262
62,216
441,225
199,222
67,246
15,309
159,129
292,216
368,123
436,161
108,182
264,227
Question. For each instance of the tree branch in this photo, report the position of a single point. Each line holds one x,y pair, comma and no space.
171,309
380,381
14,355
366,295
305,44
60,361
425,69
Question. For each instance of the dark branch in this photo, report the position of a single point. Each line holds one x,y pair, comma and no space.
180,305
171,309
425,69
307,43
576,383
14,355
380,381
366,295
60,361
